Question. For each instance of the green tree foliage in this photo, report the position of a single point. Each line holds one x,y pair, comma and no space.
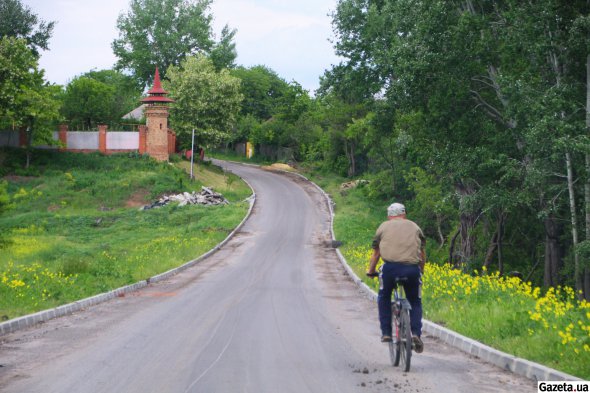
27,100
262,89
38,112
88,102
223,53
16,61
17,20
127,90
162,33
478,104
99,97
207,100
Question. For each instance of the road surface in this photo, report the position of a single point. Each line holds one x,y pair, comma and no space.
273,311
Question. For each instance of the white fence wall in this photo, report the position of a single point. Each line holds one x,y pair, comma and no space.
123,140
83,140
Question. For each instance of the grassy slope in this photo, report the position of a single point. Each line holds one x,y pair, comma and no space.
76,230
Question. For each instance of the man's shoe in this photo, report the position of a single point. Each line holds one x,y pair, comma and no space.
418,344
386,339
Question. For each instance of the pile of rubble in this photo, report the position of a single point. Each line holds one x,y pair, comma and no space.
206,197
353,184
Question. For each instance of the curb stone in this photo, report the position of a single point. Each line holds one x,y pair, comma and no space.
26,321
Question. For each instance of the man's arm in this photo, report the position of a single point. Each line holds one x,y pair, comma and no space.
373,261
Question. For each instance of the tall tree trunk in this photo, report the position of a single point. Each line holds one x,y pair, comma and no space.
491,249
552,253
349,157
574,220
352,172
29,134
441,237
452,249
467,220
496,244
501,222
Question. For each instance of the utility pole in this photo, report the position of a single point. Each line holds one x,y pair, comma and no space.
192,154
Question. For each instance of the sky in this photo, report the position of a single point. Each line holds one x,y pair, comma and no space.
289,36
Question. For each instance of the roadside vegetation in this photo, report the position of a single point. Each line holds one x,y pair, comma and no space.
547,326
74,229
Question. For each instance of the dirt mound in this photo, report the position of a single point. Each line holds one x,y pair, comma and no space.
279,166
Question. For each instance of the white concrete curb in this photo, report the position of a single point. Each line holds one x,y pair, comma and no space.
25,321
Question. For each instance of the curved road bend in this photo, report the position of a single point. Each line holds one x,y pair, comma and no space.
273,311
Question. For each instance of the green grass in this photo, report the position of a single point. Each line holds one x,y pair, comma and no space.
550,328
76,230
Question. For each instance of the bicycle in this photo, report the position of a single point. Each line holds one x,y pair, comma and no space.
400,348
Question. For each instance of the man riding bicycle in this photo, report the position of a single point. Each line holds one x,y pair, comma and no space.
400,243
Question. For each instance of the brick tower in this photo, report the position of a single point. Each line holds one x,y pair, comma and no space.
156,114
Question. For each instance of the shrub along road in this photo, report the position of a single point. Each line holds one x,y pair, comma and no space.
272,311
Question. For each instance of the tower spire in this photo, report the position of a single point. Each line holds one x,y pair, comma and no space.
157,95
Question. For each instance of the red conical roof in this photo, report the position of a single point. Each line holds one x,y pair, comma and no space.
156,93
157,88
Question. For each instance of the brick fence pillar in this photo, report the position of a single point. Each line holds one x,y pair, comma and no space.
102,138
171,141
142,139
63,136
22,137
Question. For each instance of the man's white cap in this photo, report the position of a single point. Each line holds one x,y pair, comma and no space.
396,209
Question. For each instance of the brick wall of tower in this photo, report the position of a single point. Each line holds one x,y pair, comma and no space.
157,132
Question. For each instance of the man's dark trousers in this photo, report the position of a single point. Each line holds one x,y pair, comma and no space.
389,271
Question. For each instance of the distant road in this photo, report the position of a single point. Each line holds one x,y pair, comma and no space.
273,311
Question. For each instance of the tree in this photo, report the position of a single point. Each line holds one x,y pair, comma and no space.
487,97
207,100
16,61
17,20
26,99
39,112
127,90
88,102
161,33
100,97
223,54
262,89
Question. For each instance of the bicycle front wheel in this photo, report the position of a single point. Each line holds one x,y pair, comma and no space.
405,340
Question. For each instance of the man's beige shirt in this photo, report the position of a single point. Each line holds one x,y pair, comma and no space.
399,240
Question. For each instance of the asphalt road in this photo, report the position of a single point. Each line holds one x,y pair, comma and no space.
273,311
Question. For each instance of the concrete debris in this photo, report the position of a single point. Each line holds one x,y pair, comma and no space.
353,184
206,197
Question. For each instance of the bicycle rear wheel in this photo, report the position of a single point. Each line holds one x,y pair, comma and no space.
405,340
